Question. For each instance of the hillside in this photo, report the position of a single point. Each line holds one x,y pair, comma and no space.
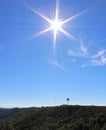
54,118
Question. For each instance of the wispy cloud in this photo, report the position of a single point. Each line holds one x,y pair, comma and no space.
99,54
98,59
57,65
83,48
81,51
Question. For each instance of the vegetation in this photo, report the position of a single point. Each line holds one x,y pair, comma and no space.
54,118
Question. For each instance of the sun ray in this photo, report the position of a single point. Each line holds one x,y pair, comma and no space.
38,13
43,16
67,34
57,9
42,32
73,17
55,38
56,25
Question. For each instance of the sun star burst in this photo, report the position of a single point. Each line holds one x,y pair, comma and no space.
56,24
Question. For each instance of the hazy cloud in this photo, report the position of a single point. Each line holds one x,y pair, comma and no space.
74,53
99,54
83,48
81,51
96,62
97,59
57,65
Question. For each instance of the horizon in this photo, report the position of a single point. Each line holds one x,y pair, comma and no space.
84,105
58,105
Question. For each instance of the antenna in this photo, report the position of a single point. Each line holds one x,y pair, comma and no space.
55,101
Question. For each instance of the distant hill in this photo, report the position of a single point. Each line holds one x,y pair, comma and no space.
54,118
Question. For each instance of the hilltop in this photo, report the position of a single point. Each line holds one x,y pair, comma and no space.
54,118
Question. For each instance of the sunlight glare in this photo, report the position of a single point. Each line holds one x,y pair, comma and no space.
56,25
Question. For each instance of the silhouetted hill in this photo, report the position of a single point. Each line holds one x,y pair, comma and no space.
54,118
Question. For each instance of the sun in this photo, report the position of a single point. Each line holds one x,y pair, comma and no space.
56,25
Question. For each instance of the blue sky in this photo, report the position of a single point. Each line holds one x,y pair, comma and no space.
32,74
